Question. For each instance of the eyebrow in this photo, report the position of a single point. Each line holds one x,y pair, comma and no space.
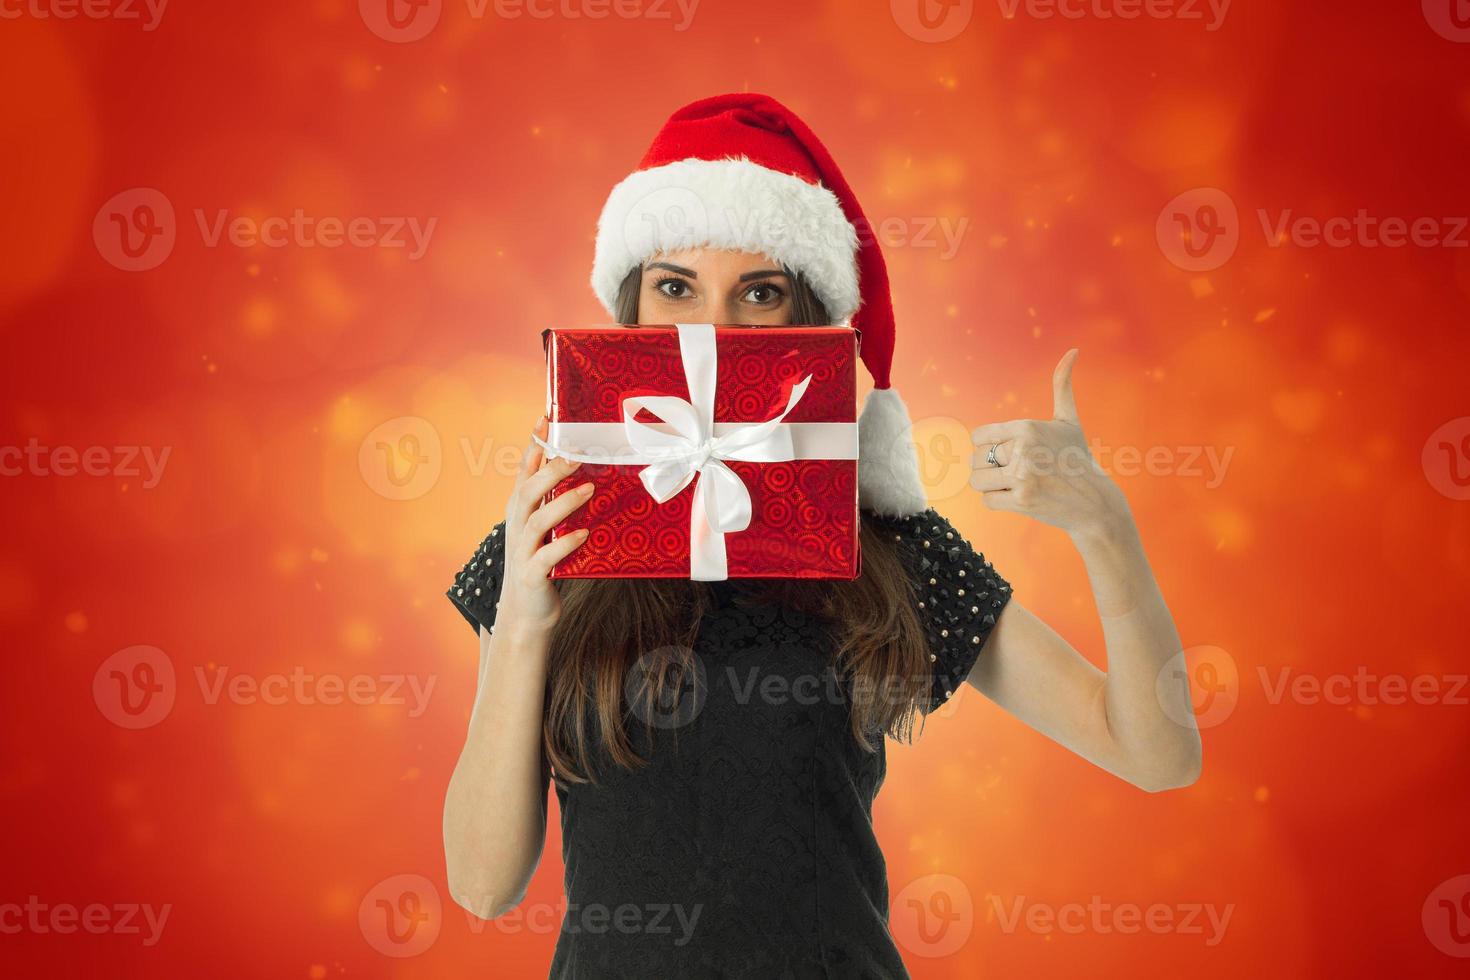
674,268
680,270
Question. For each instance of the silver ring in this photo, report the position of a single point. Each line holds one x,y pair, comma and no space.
990,456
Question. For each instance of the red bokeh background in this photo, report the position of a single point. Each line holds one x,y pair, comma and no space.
293,527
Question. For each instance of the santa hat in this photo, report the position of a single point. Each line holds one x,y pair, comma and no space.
743,172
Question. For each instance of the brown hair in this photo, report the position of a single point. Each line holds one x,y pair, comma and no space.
608,624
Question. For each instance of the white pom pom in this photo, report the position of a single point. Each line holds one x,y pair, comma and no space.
888,467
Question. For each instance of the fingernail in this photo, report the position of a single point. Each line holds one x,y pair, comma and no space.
582,532
585,489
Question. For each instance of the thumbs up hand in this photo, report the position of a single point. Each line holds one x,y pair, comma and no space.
1043,468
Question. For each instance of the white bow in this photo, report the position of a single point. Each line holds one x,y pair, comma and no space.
687,445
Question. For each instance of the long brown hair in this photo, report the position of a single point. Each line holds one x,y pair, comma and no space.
608,624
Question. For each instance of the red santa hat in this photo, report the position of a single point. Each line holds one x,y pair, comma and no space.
743,172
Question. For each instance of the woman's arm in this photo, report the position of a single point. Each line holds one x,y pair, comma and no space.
495,808
1124,720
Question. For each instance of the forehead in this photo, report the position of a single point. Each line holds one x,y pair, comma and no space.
716,261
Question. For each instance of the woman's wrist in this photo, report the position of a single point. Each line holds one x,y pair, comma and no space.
1109,530
514,649
1111,522
522,635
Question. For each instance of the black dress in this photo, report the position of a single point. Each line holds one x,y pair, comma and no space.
745,848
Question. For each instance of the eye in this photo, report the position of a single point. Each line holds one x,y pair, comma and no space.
765,294
673,288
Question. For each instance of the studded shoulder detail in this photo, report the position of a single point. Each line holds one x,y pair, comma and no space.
476,589
959,595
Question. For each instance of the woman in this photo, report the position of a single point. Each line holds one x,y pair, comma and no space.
716,746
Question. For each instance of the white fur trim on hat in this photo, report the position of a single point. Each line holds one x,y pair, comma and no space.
888,467
730,204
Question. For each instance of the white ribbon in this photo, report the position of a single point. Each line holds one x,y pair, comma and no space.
688,442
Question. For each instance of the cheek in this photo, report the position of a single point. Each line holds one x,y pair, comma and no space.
779,316
652,306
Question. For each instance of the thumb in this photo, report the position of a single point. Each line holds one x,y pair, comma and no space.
1064,404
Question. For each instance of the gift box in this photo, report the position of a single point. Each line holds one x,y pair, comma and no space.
715,451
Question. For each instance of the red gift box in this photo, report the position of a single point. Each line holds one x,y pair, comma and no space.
752,475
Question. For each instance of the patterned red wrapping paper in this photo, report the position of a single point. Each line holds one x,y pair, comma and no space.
804,512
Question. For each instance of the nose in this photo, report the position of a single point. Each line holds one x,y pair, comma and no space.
718,311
